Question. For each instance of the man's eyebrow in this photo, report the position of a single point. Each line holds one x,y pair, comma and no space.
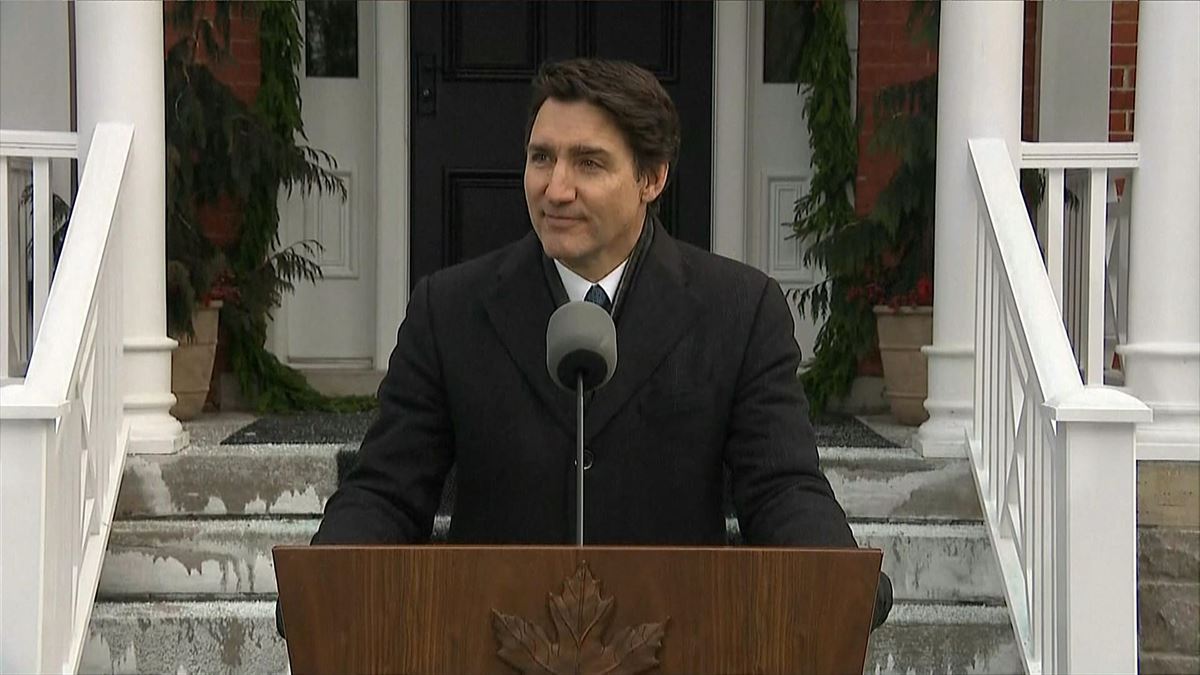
574,150
588,150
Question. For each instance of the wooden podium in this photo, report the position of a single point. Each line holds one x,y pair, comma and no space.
475,610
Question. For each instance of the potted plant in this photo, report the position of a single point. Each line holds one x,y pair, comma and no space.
197,286
885,259
904,324
192,361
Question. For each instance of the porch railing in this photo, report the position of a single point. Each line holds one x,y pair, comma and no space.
1053,459
1085,242
63,435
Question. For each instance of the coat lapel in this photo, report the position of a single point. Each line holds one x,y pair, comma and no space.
660,309
519,308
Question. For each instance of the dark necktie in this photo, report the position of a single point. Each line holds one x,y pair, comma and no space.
597,296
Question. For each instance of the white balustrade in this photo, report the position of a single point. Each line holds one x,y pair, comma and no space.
1084,264
1053,459
1116,267
25,161
63,435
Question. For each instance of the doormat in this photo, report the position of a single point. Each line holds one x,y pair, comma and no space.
304,429
833,430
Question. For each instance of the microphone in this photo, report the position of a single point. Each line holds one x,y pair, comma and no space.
581,355
581,340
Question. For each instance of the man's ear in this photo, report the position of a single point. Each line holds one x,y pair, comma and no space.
656,181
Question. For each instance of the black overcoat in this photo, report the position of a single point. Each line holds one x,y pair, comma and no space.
706,379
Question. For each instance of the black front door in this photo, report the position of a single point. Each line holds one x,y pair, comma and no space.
472,64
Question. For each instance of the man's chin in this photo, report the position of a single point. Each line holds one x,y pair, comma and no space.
567,258
563,251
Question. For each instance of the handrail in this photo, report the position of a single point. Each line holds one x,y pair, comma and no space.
64,437
1017,247
56,144
1079,155
1053,459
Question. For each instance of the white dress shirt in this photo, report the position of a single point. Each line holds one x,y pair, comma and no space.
577,287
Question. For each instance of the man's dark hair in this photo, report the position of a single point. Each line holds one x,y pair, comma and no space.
642,110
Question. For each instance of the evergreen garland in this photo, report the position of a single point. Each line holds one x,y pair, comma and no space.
825,222
219,146
886,258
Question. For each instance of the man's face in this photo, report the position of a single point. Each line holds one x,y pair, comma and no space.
585,199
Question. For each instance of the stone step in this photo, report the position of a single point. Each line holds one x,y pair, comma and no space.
296,480
944,638
232,557
885,483
210,636
239,637
229,480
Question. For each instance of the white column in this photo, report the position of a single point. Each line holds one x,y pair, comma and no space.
119,77
1162,359
979,95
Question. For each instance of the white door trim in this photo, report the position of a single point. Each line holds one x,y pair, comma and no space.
392,209
731,101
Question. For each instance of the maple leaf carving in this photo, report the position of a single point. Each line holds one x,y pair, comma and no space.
581,618
526,648
635,649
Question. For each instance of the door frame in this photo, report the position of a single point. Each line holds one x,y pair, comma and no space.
392,194
731,65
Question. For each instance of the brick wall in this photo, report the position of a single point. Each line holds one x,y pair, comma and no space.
1123,70
886,56
241,70
1031,69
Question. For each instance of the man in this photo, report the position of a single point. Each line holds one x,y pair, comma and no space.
706,377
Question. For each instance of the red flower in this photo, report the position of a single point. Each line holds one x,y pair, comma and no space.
923,295
222,289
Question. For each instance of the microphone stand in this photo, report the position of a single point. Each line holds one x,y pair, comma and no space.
579,461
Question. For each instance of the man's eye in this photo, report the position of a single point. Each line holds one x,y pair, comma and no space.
539,157
591,164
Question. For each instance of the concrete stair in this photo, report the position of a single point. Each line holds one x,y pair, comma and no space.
188,583
231,558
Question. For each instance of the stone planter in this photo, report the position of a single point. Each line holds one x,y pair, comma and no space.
192,363
902,333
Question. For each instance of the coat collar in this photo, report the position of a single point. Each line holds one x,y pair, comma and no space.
659,310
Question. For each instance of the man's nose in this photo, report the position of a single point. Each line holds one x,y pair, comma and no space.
561,187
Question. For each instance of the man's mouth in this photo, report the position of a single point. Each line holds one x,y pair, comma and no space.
561,220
